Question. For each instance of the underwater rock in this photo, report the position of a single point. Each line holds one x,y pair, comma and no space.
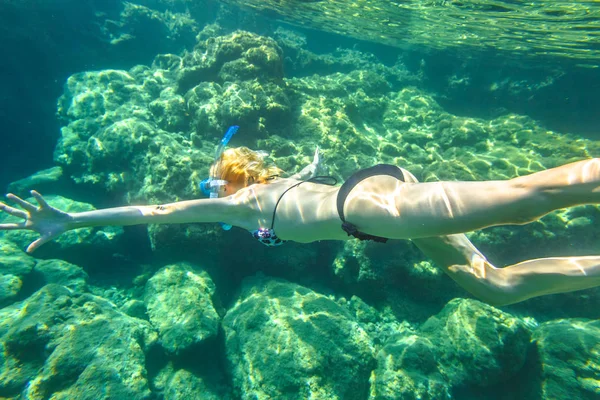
181,384
107,93
286,341
13,260
397,274
18,269
468,343
259,107
47,181
61,273
179,304
380,324
479,344
240,56
569,352
138,26
62,345
10,285
300,62
170,111
113,142
407,369
135,308
15,266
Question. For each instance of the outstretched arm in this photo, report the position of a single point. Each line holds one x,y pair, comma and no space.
50,222
202,210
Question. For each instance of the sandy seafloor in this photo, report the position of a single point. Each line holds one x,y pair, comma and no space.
110,103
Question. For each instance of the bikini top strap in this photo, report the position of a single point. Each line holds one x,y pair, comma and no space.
321,179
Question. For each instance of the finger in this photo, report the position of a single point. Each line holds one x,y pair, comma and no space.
10,227
41,201
25,204
36,244
15,212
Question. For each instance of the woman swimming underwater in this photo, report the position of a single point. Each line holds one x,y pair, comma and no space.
379,203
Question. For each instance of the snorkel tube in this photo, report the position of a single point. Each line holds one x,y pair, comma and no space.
211,186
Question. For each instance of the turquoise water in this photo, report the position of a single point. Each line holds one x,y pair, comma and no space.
107,103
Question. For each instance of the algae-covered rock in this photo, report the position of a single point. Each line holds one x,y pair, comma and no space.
179,303
286,341
13,260
235,57
151,22
479,344
467,344
19,270
181,384
259,107
135,308
10,286
49,181
398,273
408,368
123,134
569,352
61,273
62,345
15,266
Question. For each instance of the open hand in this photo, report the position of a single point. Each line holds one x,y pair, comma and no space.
44,219
319,165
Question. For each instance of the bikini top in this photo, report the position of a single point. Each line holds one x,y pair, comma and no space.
267,236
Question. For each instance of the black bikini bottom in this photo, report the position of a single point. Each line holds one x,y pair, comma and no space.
359,176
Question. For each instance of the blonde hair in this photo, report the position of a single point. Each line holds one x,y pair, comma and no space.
240,165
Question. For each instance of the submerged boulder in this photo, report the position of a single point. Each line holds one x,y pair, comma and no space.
468,343
63,345
19,270
179,304
479,344
61,273
569,352
235,57
48,181
15,265
408,368
286,341
182,384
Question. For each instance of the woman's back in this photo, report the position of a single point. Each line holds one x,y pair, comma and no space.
304,213
308,211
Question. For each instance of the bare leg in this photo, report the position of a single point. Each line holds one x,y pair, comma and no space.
501,286
572,184
443,208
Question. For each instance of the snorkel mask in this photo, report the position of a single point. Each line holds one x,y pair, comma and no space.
211,186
